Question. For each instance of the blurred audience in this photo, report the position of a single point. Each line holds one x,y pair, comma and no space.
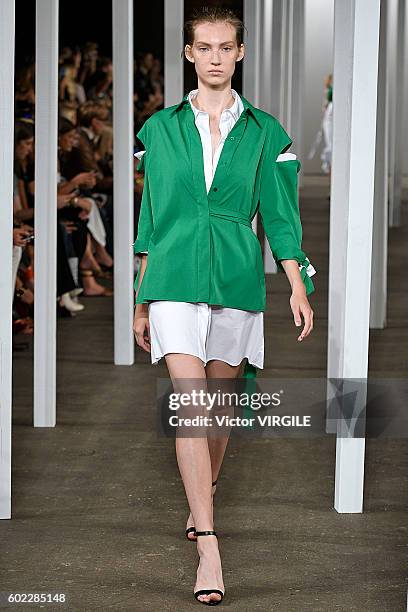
85,176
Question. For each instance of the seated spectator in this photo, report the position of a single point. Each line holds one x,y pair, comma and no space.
23,302
84,211
23,184
89,64
157,79
92,119
84,158
104,151
24,105
71,93
23,210
148,93
99,87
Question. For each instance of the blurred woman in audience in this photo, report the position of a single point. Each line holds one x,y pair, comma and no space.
85,214
24,97
100,86
71,93
23,202
148,91
89,62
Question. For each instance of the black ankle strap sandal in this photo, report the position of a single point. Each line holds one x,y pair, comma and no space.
208,591
192,529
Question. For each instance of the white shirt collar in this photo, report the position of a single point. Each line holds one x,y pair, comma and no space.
235,110
89,133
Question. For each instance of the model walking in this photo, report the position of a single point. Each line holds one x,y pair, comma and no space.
325,131
211,162
327,125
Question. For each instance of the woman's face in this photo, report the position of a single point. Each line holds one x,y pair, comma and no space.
71,72
97,125
24,148
214,53
156,66
77,59
67,141
148,61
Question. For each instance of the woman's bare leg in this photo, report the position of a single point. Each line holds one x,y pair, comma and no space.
196,467
194,462
192,452
101,254
88,260
217,445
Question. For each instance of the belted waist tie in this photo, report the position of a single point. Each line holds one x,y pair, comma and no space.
231,215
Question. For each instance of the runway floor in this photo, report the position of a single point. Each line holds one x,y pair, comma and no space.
98,505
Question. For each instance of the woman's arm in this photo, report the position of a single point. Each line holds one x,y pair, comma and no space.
83,179
298,300
143,267
22,194
24,214
20,213
141,319
62,87
279,211
140,247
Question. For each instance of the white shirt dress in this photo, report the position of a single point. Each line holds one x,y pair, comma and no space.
205,330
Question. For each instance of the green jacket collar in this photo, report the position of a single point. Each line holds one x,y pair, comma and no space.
248,108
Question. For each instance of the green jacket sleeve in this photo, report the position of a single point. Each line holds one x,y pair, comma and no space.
279,208
145,226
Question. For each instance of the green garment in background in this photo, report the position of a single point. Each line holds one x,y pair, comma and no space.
330,93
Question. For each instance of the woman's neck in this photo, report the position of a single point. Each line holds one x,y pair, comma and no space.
213,101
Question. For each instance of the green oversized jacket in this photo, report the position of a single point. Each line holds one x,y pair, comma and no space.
201,248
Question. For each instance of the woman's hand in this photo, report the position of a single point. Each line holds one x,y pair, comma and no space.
28,296
84,215
84,179
84,203
300,306
19,236
63,200
141,329
298,300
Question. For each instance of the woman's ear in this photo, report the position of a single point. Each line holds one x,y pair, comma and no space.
241,52
187,51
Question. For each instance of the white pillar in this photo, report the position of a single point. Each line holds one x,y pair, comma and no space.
262,70
351,215
293,62
378,300
267,82
265,56
45,259
277,75
297,70
173,46
397,76
123,190
251,61
392,38
270,60
284,46
7,19
287,39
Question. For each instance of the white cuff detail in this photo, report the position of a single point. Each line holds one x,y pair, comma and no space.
285,157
